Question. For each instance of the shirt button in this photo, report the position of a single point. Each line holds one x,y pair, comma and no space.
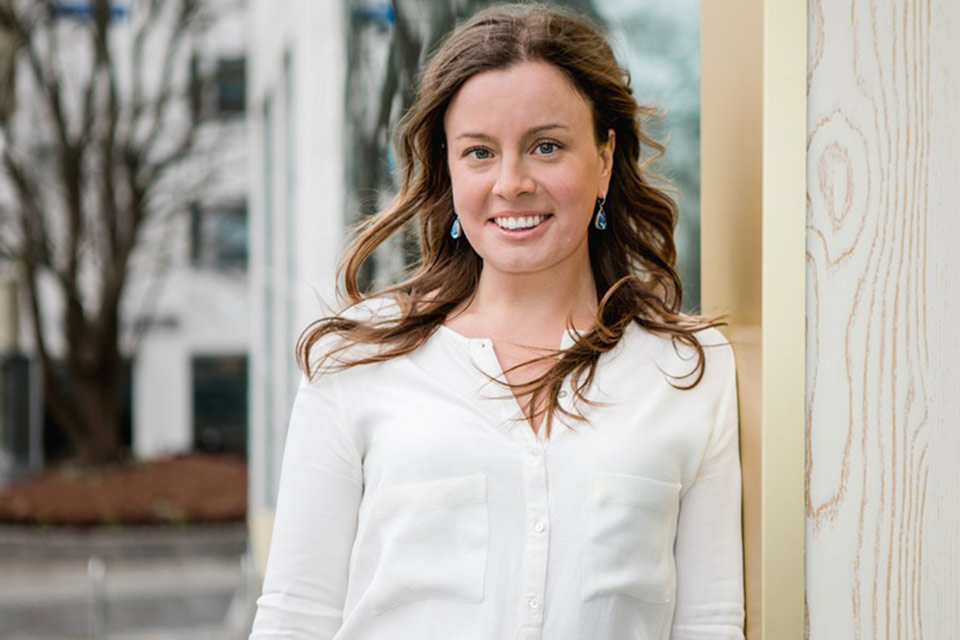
534,603
539,527
562,394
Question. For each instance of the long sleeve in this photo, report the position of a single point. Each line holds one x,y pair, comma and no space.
709,551
315,523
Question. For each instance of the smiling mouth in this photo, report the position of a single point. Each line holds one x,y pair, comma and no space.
521,223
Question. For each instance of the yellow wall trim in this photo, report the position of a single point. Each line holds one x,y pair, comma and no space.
753,217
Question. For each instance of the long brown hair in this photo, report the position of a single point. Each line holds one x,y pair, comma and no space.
633,260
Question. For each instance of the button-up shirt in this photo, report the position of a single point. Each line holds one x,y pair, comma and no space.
415,502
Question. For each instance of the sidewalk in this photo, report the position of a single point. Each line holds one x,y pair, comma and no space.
149,541
138,583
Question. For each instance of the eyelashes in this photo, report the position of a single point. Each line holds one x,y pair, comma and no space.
550,143
484,150
487,154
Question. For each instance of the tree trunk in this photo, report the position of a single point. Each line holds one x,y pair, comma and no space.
98,409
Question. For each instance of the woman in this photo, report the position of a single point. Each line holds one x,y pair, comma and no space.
492,448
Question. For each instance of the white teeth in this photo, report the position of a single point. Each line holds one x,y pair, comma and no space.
524,222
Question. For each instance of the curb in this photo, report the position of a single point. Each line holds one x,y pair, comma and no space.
144,541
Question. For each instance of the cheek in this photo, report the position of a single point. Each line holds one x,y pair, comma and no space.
577,195
468,193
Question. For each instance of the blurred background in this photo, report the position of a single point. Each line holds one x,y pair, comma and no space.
177,181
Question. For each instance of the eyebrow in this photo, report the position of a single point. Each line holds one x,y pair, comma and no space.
530,132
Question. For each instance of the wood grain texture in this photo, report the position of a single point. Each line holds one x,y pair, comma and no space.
883,303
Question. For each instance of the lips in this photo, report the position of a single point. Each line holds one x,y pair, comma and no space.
520,226
519,220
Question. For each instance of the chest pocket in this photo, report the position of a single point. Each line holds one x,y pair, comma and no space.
629,532
435,536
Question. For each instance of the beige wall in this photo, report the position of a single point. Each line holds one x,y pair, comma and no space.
731,226
883,345
753,130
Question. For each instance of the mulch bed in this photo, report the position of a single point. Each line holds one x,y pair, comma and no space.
187,488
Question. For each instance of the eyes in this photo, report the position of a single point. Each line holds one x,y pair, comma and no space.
543,147
480,153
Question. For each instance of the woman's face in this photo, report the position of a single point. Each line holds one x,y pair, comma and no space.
525,167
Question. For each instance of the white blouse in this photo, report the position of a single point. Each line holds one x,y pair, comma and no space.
414,503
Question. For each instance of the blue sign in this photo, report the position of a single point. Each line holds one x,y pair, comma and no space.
83,10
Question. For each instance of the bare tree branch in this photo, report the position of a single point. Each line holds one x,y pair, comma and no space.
187,12
137,71
35,254
70,156
109,212
29,216
86,210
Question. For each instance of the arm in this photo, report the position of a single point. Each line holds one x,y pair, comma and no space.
321,482
709,545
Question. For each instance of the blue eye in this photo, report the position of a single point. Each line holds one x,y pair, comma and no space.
479,150
551,147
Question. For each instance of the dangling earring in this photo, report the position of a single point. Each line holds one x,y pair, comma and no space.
455,229
601,221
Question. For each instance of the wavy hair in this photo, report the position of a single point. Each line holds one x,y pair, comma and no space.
633,260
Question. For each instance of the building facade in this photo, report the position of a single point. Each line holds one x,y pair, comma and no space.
296,77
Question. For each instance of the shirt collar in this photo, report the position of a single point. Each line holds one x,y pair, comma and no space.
566,341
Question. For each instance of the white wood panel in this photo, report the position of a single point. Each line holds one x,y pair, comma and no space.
883,320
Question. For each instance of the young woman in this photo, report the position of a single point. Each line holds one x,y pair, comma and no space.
495,448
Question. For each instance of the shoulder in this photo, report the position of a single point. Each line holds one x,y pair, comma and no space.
716,346
372,308
678,357
342,349
710,338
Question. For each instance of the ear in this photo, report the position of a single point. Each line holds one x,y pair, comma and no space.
606,155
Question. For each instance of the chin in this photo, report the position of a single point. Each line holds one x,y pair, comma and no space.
517,267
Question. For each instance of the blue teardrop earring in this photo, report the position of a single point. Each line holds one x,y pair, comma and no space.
455,229
601,220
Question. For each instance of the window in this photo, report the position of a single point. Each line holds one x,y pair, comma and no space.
218,237
220,404
231,86
218,89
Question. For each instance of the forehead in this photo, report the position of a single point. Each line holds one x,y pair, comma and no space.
523,95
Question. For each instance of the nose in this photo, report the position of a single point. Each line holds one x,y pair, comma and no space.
514,179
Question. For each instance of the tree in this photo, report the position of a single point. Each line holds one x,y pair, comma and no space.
86,161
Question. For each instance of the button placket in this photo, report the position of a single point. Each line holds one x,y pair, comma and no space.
537,543
533,446
529,633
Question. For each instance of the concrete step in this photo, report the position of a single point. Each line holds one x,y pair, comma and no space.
148,541
131,593
23,583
